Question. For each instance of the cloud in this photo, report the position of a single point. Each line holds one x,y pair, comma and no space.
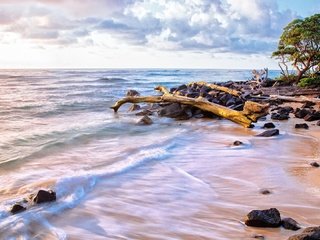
246,26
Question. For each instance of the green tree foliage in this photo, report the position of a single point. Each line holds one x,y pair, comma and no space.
299,45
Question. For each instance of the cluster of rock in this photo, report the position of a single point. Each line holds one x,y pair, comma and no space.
270,218
42,196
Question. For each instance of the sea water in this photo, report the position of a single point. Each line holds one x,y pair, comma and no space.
115,179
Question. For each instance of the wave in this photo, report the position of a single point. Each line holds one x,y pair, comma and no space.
111,79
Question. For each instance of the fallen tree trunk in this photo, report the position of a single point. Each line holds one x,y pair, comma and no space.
251,113
219,88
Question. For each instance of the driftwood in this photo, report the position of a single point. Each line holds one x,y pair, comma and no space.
219,88
251,113
302,99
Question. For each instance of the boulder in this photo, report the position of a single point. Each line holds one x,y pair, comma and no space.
16,208
279,116
145,112
310,233
302,125
264,218
145,120
301,113
132,93
269,133
44,196
313,116
290,224
269,125
308,104
175,110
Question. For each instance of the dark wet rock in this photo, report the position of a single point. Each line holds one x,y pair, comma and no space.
16,208
308,104
172,90
269,133
134,107
182,87
237,143
45,196
310,233
145,112
192,94
301,113
265,191
132,93
290,224
318,123
269,125
175,110
258,236
315,164
145,120
204,90
312,116
230,102
287,110
239,107
302,125
264,218
279,116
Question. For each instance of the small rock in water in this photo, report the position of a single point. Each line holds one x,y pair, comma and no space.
16,208
310,233
265,191
237,143
312,116
269,133
264,218
144,113
302,125
132,93
45,196
301,113
289,223
258,236
318,123
134,107
315,164
145,120
269,125
279,116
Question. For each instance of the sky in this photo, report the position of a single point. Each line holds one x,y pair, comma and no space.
220,34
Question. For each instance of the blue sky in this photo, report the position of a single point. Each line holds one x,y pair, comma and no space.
145,33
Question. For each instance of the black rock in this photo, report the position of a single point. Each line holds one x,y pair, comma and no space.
237,143
289,223
315,164
264,218
16,208
301,113
134,107
45,196
302,125
182,87
310,233
258,236
308,104
312,116
265,191
318,123
145,120
285,110
132,93
175,110
269,133
145,112
269,125
279,116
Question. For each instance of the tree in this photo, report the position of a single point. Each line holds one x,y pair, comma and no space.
299,45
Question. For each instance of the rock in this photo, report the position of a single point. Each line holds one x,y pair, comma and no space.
301,113
265,191
289,223
302,125
269,133
145,112
132,93
269,125
279,116
258,236
145,120
264,218
45,196
318,123
308,104
174,110
312,116
310,233
16,208
315,164
182,87
237,143
134,107
285,110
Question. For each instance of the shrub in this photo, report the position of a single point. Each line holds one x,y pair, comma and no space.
309,82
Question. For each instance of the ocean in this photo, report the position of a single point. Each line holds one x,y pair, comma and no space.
115,179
